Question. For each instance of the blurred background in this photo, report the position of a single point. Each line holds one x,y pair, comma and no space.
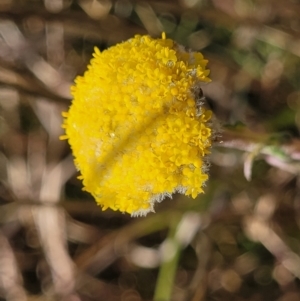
238,241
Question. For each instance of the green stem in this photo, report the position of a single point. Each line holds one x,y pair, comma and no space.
169,265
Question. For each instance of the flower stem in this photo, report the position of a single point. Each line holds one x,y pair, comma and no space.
170,256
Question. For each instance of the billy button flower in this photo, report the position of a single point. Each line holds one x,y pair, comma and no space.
137,127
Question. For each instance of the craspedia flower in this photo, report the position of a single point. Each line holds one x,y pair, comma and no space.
136,126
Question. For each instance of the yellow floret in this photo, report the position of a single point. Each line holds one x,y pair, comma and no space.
136,126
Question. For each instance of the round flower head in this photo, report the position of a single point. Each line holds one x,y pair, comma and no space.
137,127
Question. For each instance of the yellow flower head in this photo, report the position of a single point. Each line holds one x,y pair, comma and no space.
137,127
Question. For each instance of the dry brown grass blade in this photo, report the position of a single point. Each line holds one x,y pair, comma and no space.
10,276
